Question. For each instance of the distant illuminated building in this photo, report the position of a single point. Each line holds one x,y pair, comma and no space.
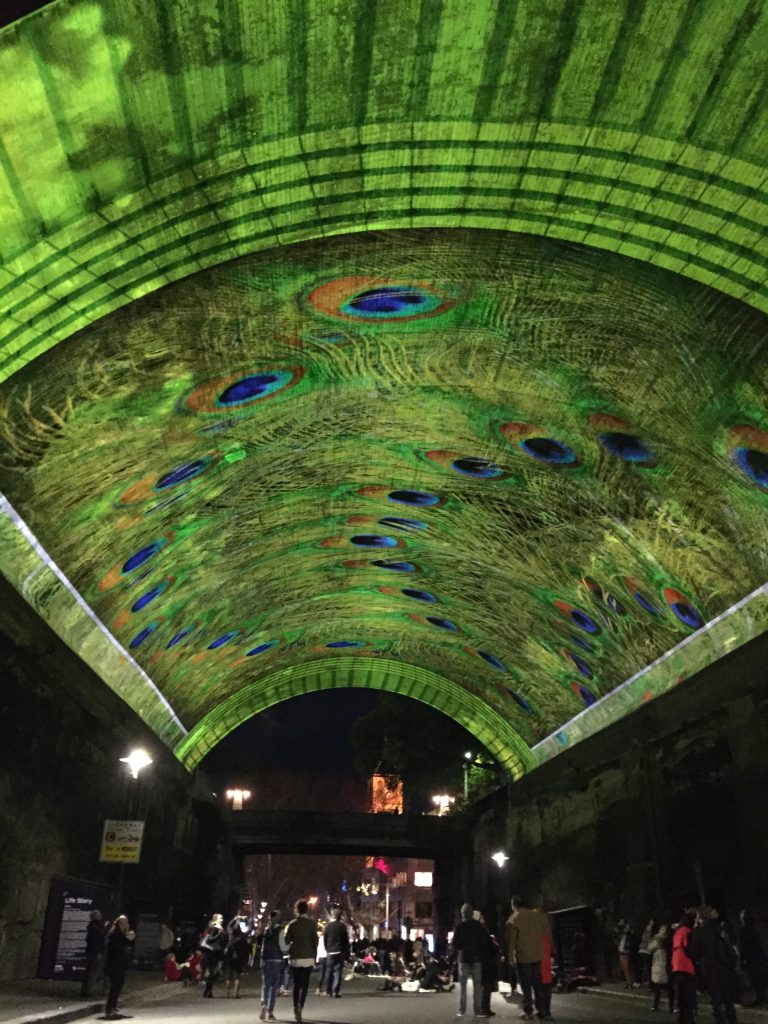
386,794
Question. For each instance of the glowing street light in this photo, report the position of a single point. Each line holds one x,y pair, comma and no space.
312,901
237,796
443,802
136,761
468,757
500,858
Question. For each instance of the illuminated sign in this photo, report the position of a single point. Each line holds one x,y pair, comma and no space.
121,842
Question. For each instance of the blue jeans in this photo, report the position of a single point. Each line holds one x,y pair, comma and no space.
270,982
334,971
475,972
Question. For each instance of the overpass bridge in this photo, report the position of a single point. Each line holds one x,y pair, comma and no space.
295,831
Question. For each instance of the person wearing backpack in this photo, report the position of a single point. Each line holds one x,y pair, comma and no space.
212,947
715,956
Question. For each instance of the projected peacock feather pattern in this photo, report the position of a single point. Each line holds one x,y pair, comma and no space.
528,466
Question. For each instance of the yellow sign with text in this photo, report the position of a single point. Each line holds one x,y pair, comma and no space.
121,842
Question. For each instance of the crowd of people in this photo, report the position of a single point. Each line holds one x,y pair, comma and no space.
698,954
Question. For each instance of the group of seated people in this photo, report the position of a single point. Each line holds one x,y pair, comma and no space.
427,975
188,973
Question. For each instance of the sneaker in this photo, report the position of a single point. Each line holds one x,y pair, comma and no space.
297,1012
263,1014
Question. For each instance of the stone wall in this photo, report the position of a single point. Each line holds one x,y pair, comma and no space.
62,734
648,815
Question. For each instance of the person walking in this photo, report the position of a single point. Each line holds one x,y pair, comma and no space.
715,956
526,929
659,952
491,973
683,970
236,956
118,953
212,946
322,960
547,979
271,966
470,944
643,954
753,958
95,938
627,947
336,951
300,942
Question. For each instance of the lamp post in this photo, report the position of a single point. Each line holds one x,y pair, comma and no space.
136,761
237,796
468,758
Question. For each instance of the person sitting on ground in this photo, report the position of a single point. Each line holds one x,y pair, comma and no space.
175,971
195,967
435,976
397,974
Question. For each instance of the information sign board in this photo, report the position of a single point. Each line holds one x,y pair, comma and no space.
121,842
70,903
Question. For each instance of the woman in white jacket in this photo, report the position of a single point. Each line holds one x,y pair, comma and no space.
659,950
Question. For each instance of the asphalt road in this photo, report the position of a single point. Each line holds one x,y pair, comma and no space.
362,1004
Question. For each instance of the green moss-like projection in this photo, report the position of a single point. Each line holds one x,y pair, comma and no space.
143,140
521,467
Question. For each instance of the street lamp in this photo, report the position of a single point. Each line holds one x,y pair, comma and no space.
500,858
237,796
136,761
468,757
443,802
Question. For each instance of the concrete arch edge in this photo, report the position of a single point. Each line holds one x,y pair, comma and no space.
628,194
490,728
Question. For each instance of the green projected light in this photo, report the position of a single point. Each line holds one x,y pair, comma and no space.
499,474
144,140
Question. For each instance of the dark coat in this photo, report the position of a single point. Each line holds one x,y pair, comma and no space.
336,938
470,942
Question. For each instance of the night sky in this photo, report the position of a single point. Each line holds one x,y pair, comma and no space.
308,733
10,10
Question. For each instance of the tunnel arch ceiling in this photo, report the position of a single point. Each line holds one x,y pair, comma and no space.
148,141
498,473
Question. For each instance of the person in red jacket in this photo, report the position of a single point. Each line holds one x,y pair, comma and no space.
683,969
546,976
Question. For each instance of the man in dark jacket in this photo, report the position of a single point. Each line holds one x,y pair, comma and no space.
300,941
470,944
336,951
715,958
271,966
95,937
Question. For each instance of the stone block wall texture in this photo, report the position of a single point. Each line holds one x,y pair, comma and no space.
642,818
60,777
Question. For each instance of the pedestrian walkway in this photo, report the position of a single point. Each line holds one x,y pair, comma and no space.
32,1000
753,1015
153,1001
